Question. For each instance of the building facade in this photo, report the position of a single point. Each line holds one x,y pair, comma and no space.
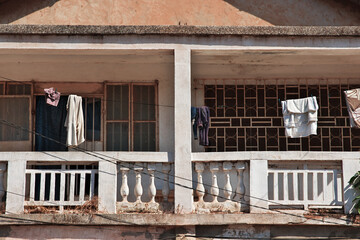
139,67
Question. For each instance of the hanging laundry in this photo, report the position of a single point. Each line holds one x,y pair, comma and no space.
194,120
50,125
203,124
51,96
353,106
74,121
300,117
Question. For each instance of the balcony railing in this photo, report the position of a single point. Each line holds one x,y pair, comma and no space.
134,176
232,182
305,184
229,196
60,187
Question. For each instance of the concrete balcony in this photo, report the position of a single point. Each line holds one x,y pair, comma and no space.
266,182
117,181
143,182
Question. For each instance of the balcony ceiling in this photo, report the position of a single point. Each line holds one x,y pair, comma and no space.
86,65
114,65
86,56
297,63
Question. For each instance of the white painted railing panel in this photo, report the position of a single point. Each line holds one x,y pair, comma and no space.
308,187
64,194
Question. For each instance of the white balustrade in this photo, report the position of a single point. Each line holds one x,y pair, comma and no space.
225,203
138,190
124,190
214,168
240,188
200,190
139,169
152,187
316,187
227,166
72,190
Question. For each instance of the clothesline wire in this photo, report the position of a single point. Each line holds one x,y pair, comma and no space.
54,139
105,100
79,149
97,155
119,159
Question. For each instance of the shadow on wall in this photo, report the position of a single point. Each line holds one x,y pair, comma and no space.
302,13
12,10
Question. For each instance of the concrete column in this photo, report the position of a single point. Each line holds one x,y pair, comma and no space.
183,188
349,167
107,186
258,186
15,192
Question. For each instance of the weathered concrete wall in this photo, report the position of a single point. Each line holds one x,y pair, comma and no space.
185,12
208,232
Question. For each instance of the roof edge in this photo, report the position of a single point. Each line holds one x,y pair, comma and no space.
350,31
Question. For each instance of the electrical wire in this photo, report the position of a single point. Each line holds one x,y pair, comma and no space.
190,188
102,158
105,100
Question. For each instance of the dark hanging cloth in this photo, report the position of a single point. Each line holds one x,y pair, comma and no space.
203,125
50,122
194,120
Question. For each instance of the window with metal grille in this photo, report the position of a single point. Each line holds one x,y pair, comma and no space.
131,117
247,117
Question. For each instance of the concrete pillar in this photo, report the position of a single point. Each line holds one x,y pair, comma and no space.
258,186
183,188
15,192
107,186
349,167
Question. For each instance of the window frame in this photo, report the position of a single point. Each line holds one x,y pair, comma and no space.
131,120
21,145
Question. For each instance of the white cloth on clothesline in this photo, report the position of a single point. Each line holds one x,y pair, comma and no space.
353,106
300,117
74,121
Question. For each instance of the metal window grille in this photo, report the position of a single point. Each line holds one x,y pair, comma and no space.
247,116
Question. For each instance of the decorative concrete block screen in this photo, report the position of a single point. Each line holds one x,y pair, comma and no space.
248,117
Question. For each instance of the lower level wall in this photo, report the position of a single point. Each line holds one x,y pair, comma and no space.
192,232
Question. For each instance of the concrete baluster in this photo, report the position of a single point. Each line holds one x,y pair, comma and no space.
152,189
200,190
138,190
227,166
214,168
166,186
124,190
240,189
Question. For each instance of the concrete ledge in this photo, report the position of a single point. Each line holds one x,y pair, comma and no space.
327,31
179,219
274,156
156,157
